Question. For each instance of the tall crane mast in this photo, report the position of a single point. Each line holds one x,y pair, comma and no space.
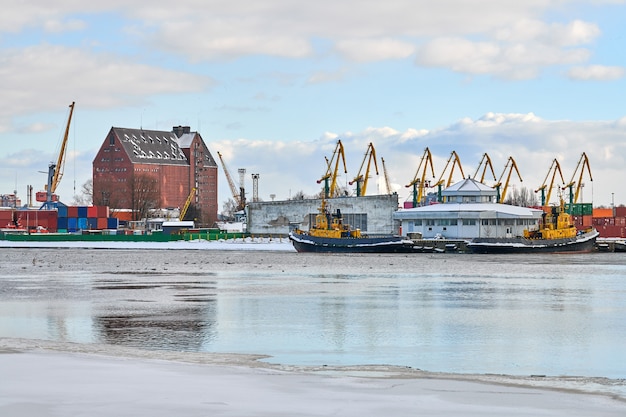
554,169
582,163
456,161
55,170
183,211
231,184
510,165
330,177
419,182
361,179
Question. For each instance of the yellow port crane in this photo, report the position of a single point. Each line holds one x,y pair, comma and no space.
582,163
456,161
330,177
387,181
485,163
183,211
55,170
554,169
361,179
239,196
510,166
419,182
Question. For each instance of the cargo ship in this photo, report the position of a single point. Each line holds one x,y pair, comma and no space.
556,234
330,235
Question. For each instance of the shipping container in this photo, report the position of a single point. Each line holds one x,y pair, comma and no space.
612,231
5,215
620,211
102,223
103,211
72,211
82,223
92,222
602,212
82,211
62,223
408,204
112,223
62,210
61,230
72,223
92,211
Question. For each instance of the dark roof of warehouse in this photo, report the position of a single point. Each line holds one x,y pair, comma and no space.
151,146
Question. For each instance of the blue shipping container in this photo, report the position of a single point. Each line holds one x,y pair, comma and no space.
93,223
112,223
82,211
82,223
62,210
62,222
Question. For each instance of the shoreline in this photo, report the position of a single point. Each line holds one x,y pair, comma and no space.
39,372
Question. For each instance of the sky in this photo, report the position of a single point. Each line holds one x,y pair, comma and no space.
274,84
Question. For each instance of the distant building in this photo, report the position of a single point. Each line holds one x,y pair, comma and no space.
139,170
469,211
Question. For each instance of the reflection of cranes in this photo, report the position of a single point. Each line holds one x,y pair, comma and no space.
454,157
183,211
419,182
55,171
240,197
510,165
486,161
554,168
360,179
582,162
387,181
331,174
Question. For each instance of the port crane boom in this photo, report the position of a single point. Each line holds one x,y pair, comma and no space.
55,170
582,163
510,165
387,181
360,179
330,177
456,161
485,162
419,182
554,169
183,211
239,197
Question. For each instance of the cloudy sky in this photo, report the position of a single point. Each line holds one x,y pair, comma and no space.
273,84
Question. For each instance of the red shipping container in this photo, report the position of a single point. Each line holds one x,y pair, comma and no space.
612,231
103,211
620,211
102,223
92,211
72,211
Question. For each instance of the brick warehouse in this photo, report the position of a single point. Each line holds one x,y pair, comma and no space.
138,169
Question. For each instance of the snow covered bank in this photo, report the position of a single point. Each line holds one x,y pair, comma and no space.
46,382
245,244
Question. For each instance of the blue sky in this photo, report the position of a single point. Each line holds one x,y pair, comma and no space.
274,84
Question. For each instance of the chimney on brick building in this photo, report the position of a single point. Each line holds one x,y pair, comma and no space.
181,130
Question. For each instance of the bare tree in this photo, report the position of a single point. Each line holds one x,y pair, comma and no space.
144,192
522,197
229,209
85,197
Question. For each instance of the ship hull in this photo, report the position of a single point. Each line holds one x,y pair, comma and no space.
580,244
303,242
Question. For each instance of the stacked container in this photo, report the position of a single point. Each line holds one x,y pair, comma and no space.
76,218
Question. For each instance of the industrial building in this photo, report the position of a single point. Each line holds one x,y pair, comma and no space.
138,170
372,214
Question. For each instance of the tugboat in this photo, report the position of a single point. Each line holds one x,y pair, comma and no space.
557,233
330,234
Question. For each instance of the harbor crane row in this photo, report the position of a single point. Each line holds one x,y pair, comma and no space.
456,161
362,179
554,169
419,182
510,166
582,163
330,177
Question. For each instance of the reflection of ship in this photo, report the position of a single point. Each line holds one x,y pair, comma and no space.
330,234
557,233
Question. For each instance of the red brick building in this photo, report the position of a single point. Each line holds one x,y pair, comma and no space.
141,169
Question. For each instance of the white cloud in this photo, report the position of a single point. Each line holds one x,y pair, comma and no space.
364,50
596,72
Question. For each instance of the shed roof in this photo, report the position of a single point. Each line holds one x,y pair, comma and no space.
467,187
436,210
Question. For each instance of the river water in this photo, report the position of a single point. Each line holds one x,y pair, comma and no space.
559,315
